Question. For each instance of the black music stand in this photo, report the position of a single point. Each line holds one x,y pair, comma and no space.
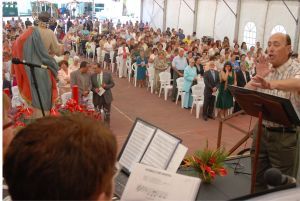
264,106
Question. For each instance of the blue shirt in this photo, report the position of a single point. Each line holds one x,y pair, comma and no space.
181,36
179,62
140,60
85,32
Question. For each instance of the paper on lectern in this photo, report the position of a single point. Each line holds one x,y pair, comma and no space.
136,145
160,150
148,183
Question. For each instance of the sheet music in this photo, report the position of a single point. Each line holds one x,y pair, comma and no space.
148,183
177,158
136,145
160,150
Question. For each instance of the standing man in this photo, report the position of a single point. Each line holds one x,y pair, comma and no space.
82,79
242,77
102,81
178,65
97,24
279,144
28,23
212,82
69,24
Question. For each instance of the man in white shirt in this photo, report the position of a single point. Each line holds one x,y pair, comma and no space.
279,143
13,22
178,65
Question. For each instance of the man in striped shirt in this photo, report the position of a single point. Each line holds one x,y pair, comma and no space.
279,144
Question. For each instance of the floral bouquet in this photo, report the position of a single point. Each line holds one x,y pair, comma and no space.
208,163
73,107
22,115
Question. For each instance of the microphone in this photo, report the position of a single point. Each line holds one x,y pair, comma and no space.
18,61
274,178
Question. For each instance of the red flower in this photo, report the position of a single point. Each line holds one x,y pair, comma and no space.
22,112
212,173
71,103
78,108
208,169
212,160
58,106
28,112
222,172
197,160
19,124
54,112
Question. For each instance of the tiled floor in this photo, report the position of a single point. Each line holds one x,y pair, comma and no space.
130,102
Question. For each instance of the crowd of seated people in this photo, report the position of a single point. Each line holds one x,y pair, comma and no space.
118,47
214,63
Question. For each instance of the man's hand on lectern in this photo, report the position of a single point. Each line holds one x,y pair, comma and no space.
260,82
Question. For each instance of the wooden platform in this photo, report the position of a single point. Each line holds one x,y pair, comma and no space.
131,102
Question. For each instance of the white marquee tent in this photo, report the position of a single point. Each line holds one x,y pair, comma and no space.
244,20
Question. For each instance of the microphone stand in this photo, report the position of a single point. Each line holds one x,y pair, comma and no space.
36,88
32,66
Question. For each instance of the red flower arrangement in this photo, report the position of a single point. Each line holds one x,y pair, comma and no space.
208,163
73,107
23,114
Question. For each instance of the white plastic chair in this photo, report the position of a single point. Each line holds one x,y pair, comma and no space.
129,68
65,97
111,56
77,48
134,69
57,59
150,71
118,64
98,50
102,58
198,98
93,49
181,93
88,101
200,80
165,83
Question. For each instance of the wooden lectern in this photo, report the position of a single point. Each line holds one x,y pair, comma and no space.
265,107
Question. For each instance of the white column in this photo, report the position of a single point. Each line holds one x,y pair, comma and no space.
195,15
142,10
165,15
297,34
237,20
264,31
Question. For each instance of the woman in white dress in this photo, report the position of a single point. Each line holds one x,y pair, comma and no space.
123,53
64,77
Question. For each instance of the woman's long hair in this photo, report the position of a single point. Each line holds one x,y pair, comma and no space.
227,64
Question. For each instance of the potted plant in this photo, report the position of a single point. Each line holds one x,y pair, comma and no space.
207,163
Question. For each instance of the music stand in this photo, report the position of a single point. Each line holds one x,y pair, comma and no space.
264,106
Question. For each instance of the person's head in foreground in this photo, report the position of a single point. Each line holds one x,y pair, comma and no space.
61,158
